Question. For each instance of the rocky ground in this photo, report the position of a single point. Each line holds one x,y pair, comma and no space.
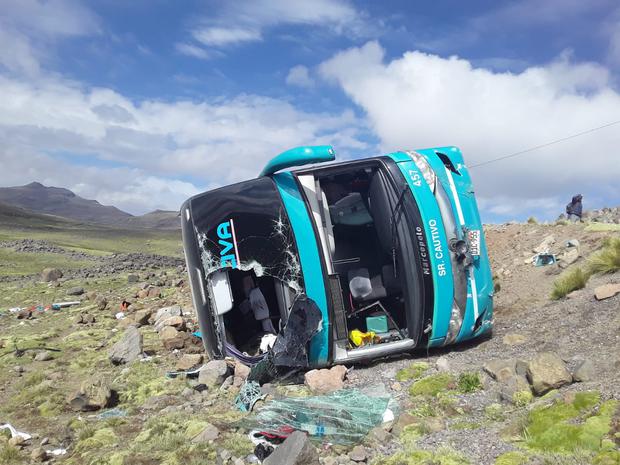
88,382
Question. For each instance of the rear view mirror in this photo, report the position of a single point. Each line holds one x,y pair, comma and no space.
220,288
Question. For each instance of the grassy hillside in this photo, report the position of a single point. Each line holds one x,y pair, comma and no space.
16,223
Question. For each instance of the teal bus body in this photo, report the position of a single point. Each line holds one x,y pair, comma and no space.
447,293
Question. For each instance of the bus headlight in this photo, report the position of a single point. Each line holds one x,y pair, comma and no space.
427,172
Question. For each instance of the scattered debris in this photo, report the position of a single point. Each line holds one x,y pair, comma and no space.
15,433
342,417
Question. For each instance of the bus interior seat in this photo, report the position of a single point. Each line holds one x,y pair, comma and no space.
350,210
364,288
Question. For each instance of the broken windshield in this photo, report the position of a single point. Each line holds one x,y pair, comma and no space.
245,227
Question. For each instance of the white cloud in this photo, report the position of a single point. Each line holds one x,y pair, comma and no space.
225,35
244,21
132,153
421,100
28,27
299,76
193,51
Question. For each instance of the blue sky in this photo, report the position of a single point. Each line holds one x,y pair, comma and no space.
141,104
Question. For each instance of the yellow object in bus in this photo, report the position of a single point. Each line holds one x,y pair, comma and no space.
359,338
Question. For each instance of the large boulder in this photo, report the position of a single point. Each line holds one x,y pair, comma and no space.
213,373
50,274
545,245
296,450
128,348
208,434
547,371
92,395
326,380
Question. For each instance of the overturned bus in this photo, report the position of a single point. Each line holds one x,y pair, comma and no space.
390,249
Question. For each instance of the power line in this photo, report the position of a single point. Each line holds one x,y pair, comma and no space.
531,149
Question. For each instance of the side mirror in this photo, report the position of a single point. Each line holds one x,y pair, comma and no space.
299,156
222,294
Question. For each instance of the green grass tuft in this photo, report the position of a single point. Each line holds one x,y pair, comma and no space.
570,427
512,458
469,382
413,371
568,282
606,260
433,385
532,220
9,455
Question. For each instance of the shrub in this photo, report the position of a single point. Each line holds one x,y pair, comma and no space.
568,282
414,371
532,220
606,260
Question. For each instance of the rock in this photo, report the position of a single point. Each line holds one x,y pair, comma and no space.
572,243
92,395
545,245
38,454
24,314
91,295
434,424
358,454
153,292
442,364
213,373
404,419
379,435
568,258
84,318
50,274
17,441
102,303
44,441
324,381
584,371
43,356
210,433
75,291
241,371
188,361
128,349
512,385
177,342
295,450
501,369
142,317
175,321
168,332
606,291
547,371
514,339
132,278
166,312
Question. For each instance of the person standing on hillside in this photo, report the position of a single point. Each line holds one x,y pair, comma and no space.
574,209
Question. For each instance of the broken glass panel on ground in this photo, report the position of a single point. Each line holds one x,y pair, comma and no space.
342,417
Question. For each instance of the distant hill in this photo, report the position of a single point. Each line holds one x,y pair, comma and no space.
158,219
60,202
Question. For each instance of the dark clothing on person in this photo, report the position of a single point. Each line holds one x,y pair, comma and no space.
575,207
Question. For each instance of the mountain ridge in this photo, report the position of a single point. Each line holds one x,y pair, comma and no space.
61,202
